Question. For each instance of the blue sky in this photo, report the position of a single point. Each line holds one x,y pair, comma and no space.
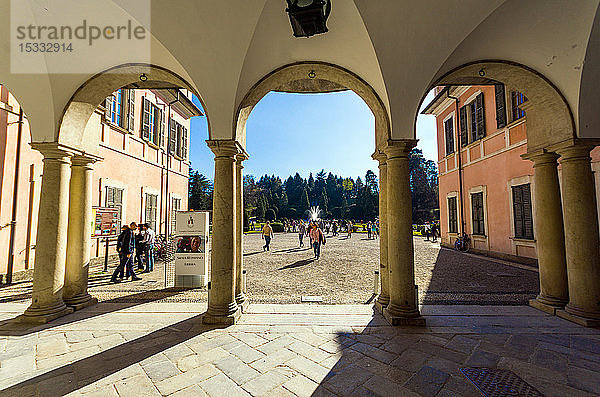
289,133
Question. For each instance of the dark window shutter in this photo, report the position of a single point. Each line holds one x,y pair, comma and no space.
108,108
131,110
161,128
449,131
172,136
146,119
184,143
473,114
527,212
500,106
463,126
480,113
518,210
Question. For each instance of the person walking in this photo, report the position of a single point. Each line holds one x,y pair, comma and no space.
148,241
267,235
427,231
434,232
126,249
317,238
301,231
374,230
349,225
139,245
369,230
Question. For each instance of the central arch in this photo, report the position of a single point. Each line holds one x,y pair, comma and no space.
313,77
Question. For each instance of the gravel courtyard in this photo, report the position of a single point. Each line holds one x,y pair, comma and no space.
343,274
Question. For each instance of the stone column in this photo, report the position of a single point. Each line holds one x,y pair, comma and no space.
222,307
51,241
240,293
384,296
581,236
549,234
402,309
79,235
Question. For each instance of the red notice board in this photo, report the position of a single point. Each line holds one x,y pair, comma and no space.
105,221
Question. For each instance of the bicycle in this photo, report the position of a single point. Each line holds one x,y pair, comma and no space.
163,248
463,243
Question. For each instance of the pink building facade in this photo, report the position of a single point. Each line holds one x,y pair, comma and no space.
136,142
486,127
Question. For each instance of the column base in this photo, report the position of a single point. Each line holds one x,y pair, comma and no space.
546,307
379,306
226,319
242,302
43,315
585,321
403,317
81,302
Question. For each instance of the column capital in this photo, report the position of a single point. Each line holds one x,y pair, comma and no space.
53,150
380,156
399,147
575,152
541,157
84,160
241,157
224,148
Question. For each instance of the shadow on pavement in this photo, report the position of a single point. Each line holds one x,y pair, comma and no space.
74,376
299,263
16,327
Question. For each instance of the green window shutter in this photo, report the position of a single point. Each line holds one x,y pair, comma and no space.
172,136
161,128
463,126
480,114
517,192
500,105
527,213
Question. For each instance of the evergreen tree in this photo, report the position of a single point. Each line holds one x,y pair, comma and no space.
200,192
304,204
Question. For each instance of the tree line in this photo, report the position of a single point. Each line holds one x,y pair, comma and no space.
270,198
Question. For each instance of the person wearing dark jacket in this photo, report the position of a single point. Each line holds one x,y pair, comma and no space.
126,249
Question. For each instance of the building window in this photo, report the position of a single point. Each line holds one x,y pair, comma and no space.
114,108
175,206
131,110
452,215
516,99
449,132
522,211
114,199
500,105
178,140
477,213
472,121
152,123
151,210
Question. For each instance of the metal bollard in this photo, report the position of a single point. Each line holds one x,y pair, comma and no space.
376,282
244,281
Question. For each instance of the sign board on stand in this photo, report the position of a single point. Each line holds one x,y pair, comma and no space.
191,249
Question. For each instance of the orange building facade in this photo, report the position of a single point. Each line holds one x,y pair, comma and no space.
136,142
486,127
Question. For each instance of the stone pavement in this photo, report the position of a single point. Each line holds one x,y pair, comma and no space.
153,349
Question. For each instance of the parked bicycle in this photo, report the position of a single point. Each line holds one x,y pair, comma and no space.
163,248
463,243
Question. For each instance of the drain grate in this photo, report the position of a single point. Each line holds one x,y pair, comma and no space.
499,383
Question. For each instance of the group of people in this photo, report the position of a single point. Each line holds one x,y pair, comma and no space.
313,231
135,244
431,229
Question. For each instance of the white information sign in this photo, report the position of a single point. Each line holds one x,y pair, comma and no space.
191,244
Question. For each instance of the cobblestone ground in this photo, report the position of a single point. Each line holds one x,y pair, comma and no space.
343,274
163,349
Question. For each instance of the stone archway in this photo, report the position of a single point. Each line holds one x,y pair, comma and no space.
566,234
64,224
397,299
72,125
